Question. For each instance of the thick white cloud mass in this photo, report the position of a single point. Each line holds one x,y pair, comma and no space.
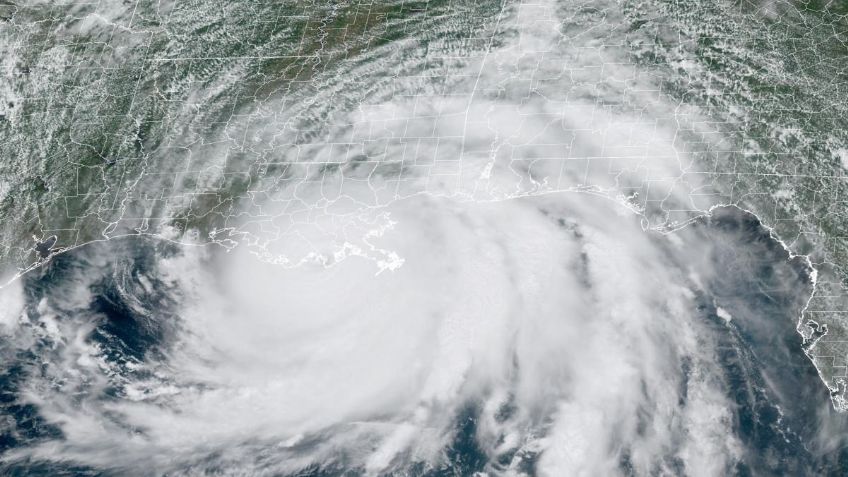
11,306
556,318
505,272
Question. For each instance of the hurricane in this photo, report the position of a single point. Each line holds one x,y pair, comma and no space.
551,238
